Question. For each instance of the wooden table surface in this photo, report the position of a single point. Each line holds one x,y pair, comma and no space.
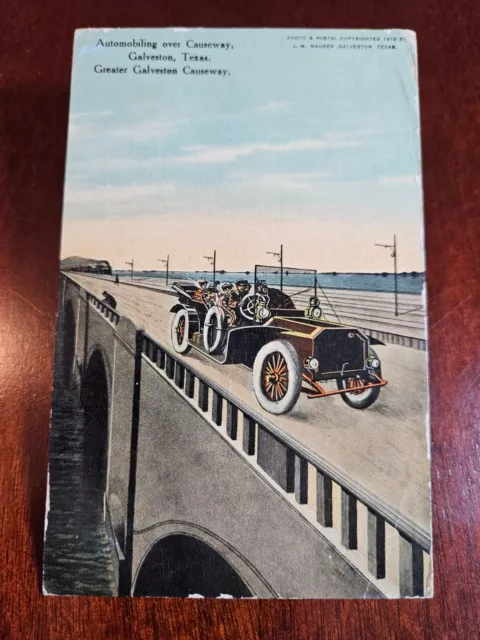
35,48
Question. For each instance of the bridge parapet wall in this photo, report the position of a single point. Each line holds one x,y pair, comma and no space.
74,296
387,548
120,435
91,330
100,334
190,481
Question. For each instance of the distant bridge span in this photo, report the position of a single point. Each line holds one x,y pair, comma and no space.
199,483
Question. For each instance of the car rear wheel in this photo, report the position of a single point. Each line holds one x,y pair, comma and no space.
277,377
214,331
179,331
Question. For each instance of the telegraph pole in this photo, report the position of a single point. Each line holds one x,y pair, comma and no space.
393,255
131,265
213,262
279,256
395,272
165,262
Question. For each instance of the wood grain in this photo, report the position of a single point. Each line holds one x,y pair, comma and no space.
36,43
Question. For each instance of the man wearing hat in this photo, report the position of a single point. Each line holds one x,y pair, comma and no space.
240,290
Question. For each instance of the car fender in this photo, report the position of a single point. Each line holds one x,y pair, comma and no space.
177,307
373,340
243,343
192,315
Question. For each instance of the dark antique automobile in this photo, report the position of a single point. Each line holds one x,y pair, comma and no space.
289,350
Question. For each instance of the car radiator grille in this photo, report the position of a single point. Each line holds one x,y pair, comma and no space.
340,350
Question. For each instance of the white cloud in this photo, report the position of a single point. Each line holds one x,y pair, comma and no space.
92,127
194,154
153,129
83,125
281,181
103,163
105,195
212,153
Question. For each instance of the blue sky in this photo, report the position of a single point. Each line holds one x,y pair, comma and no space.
317,149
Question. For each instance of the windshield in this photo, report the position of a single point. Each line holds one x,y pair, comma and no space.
291,280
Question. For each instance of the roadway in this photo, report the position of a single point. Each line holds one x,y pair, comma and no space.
383,448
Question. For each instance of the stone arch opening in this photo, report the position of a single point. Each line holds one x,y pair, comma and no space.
180,565
95,405
69,333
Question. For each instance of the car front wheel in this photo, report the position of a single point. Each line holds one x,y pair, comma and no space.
277,377
357,396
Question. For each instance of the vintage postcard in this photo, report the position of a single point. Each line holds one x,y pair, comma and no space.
240,399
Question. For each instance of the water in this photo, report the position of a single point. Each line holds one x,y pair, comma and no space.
407,283
77,558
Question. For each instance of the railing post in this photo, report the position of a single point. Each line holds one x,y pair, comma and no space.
301,480
146,347
324,500
349,520
179,375
160,359
376,544
217,408
276,459
248,435
232,420
169,366
202,395
189,384
411,568
151,351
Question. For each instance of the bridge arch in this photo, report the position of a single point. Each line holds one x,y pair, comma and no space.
187,559
95,399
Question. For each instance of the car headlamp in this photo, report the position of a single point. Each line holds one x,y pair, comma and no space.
263,313
374,363
316,313
312,364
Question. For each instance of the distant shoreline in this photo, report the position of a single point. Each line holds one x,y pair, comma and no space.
407,282
403,274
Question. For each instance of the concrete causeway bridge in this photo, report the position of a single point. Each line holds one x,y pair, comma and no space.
205,493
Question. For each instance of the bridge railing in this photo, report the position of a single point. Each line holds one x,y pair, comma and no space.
105,309
361,516
394,338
